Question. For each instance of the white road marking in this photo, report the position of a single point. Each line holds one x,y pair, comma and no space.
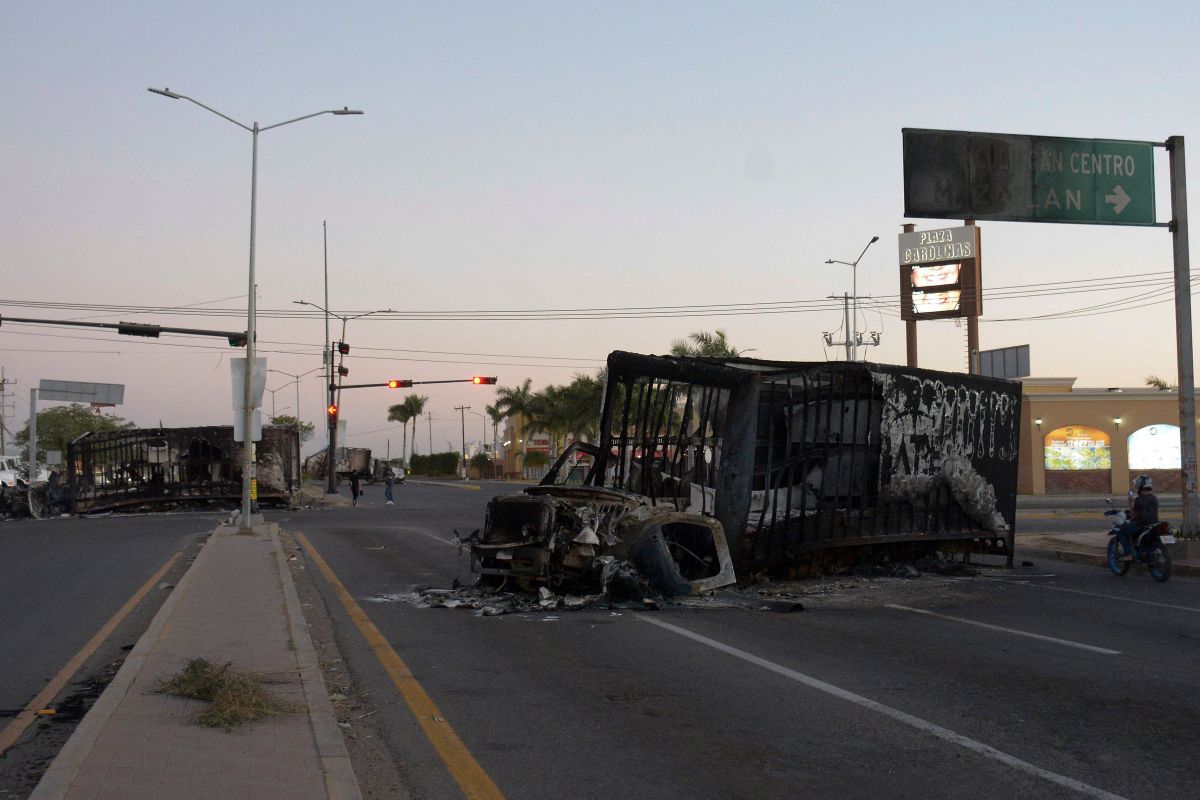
1118,598
900,716
430,534
1013,631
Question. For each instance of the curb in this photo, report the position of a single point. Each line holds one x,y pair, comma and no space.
340,780
1100,560
61,774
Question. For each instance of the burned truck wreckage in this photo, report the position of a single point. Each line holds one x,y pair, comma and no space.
156,467
707,470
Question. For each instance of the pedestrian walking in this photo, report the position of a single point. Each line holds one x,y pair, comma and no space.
355,489
389,480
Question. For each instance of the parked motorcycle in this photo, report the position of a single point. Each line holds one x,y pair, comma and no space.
1149,546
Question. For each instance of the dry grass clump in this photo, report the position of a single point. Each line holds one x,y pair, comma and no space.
235,697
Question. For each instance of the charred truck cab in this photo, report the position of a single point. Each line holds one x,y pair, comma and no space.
707,468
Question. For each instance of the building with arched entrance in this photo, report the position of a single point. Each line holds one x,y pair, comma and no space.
1095,441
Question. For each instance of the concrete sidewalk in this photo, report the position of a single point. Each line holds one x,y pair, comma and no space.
1092,548
237,603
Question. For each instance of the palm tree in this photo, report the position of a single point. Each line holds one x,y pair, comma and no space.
399,413
548,413
705,344
495,415
516,402
414,404
582,398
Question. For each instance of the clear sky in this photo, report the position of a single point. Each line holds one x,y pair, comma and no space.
527,156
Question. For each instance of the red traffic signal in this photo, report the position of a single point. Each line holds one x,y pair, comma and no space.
479,380
398,384
343,348
332,411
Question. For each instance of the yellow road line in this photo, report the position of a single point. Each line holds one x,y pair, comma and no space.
466,771
10,735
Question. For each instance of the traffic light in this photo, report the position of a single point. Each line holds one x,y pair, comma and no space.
343,348
332,413
343,371
398,384
479,380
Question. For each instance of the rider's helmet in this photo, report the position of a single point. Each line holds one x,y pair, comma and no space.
1142,482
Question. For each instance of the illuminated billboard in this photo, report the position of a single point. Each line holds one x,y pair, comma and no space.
1077,447
927,304
1154,447
931,285
935,275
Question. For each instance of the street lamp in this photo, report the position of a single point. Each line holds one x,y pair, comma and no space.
248,475
331,454
296,380
853,337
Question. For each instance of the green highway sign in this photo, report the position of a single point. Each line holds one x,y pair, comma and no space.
961,175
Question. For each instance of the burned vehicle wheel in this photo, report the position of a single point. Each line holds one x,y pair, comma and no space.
675,555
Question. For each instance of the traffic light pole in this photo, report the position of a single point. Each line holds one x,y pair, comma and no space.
332,409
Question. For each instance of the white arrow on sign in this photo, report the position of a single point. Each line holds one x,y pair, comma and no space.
1118,198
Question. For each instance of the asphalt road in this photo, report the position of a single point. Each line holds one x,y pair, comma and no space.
62,579
1048,681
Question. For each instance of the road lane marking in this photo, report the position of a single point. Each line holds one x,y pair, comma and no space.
900,716
475,783
1014,631
10,735
471,486
430,534
1116,597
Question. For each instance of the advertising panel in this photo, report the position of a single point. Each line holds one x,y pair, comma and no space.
940,274
1154,447
1077,447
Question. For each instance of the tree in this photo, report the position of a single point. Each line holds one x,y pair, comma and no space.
705,344
414,404
517,403
571,409
306,428
59,426
399,413
1158,383
583,398
496,416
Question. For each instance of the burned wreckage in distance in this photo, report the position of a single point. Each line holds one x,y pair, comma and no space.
707,469
158,467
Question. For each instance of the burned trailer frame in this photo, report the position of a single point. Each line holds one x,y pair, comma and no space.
796,458
153,466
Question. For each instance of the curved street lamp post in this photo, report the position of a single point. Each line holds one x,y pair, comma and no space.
248,461
852,335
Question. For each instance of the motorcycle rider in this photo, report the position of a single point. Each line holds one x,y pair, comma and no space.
1143,512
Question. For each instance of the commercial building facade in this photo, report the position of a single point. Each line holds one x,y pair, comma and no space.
1095,441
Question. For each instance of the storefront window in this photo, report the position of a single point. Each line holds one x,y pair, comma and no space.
1154,447
1077,447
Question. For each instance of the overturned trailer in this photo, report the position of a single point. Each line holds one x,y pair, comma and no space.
707,467
165,466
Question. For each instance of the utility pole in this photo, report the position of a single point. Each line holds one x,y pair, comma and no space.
462,413
829,342
1183,335
4,411
429,419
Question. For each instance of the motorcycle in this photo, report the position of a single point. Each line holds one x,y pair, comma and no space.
1149,546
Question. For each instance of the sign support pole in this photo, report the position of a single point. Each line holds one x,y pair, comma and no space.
910,325
1183,335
